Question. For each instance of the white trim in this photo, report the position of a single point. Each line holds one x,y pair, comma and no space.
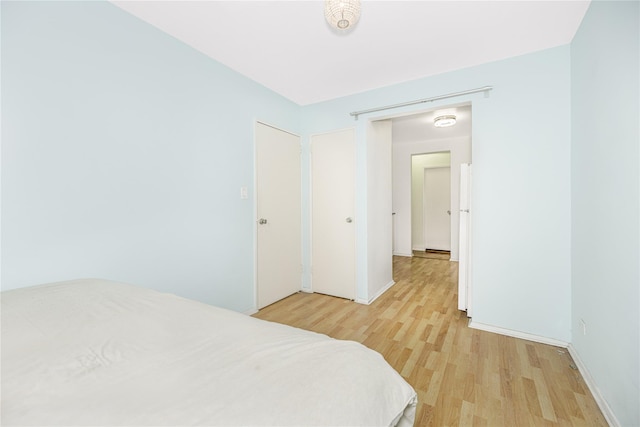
377,295
251,311
402,254
308,272
417,248
517,334
595,391
254,212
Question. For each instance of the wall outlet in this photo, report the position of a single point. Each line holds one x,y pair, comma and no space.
244,194
584,326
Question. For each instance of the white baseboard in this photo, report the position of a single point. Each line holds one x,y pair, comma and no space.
251,311
377,295
402,254
595,391
517,334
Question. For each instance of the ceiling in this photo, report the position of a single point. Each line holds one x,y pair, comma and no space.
288,47
419,127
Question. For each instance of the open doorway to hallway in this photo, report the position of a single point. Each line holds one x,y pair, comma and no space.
416,134
419,148
431,205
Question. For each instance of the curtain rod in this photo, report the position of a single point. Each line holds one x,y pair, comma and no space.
484,89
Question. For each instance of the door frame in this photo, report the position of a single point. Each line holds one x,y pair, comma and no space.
422,206
418,110
465,262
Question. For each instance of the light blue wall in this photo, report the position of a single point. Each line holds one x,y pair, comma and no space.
606,197
521,193
123,154
124,151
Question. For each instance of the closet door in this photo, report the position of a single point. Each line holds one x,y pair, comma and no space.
278,202
333,231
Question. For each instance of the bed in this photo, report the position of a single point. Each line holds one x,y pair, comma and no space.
101,353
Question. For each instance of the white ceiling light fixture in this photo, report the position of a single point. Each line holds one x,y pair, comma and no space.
342,14
444,121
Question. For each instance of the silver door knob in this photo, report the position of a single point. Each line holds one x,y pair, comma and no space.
262,221
349,219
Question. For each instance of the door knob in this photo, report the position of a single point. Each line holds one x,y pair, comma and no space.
262,221
449,212
349,219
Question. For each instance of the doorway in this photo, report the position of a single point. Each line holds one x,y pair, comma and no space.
416,135
431,202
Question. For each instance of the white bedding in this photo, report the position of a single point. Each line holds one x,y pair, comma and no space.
101,353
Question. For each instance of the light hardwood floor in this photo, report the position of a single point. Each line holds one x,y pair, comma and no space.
463,377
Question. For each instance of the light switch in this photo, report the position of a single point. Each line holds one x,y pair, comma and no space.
243,193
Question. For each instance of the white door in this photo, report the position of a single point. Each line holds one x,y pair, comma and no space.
437,208
464,265
333,254
278,202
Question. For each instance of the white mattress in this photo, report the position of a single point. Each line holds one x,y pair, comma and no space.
101,353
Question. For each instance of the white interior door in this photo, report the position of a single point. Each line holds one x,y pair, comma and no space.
437,208
464,276
278,202
333,255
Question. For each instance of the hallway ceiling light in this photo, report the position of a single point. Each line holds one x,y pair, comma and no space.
444,121
342,14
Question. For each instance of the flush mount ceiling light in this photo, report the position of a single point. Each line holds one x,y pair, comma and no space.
444,121
342,14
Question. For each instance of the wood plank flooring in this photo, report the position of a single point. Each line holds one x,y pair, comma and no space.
463,377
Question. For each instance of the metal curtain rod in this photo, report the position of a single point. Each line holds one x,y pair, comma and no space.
421,101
